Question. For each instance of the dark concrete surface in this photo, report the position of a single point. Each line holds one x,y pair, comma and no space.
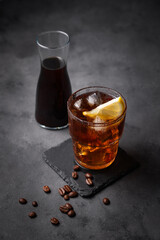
115,44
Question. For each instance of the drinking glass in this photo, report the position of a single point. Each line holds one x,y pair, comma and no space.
95,142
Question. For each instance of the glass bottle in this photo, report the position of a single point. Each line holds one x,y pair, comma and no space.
53,88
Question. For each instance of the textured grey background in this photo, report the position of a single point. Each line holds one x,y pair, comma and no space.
115,44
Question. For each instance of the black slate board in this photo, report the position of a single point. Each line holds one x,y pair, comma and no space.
61,160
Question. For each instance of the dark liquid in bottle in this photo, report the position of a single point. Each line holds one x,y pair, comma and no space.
53,91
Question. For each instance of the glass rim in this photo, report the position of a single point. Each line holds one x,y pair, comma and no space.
92,123
48,32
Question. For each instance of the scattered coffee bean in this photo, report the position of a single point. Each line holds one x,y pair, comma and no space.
22,201
74,175
69,206
61,191
88,175
32,215
73,194
54,221
67,188
46,189
89,181
63,209
106,201
76,167
71,213
34,204
66,197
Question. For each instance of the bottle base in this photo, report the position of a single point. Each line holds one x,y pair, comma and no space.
53,128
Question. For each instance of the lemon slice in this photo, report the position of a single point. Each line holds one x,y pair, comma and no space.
107,111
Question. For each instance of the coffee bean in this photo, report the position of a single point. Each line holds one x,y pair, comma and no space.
89,181
46,189
63,209
69,206
32,215
54,221
73,194
66,197
74,175
67,188
35,204
88,175
61,191
71,213
76,167
22,201
106,201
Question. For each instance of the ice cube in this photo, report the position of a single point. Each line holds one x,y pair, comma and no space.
78,104
99,127
98,120
94,99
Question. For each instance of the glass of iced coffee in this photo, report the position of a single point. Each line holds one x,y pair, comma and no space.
96,118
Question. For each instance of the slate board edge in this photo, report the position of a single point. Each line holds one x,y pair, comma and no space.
114,179
93,190
65,178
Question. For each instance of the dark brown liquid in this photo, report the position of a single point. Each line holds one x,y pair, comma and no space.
53,91
95,146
